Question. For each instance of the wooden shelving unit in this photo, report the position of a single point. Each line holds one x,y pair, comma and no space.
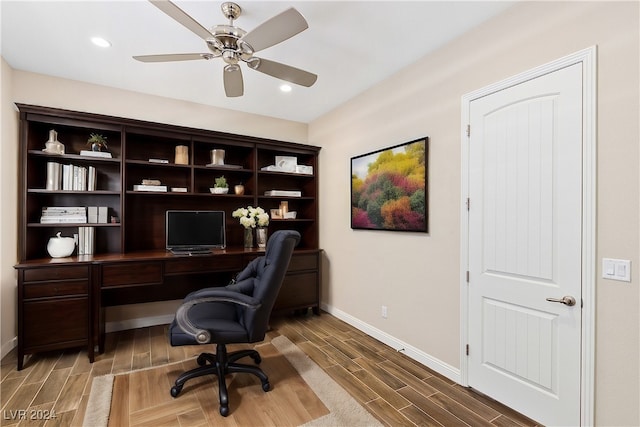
138,217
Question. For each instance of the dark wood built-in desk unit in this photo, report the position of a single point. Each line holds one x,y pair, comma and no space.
61,301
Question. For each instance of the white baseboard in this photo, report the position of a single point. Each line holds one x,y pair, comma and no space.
427,360
142,322
8,346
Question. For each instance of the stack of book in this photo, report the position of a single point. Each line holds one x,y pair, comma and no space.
64,215
86,243
150,185
284,193
90,153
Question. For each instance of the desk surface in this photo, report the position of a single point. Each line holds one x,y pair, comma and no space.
151,255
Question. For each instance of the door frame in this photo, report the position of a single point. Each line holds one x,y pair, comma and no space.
586,57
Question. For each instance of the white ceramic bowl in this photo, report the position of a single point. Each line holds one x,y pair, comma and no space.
215,190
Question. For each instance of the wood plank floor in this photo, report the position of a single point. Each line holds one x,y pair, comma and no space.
395,389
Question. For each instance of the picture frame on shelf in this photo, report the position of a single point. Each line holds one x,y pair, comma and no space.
389,188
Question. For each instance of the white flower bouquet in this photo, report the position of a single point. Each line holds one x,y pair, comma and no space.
251,217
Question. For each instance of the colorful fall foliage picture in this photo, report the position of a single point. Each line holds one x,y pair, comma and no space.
389,188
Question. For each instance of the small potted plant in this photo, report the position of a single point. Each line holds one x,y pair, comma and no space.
97,142
220,186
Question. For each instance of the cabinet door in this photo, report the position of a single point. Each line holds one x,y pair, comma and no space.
299,290
55,323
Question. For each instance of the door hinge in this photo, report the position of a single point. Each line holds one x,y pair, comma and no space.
467,349
468,130
468,203
467,276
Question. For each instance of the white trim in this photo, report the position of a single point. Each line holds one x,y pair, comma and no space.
141,322
8,346
427,360
586,57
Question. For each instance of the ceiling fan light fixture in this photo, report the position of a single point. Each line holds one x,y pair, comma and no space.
233,44
230,57
100,41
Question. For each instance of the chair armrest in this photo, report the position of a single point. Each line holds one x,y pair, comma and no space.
203,336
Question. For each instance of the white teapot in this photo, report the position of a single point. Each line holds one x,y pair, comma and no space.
60,247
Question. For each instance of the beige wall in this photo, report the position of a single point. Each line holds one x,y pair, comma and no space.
8,211
417,276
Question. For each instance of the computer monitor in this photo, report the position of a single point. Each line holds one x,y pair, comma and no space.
195,229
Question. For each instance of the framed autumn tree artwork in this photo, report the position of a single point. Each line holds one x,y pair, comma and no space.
389,188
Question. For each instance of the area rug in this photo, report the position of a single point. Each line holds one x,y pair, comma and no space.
343,410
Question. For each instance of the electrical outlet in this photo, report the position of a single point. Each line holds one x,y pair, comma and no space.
384,312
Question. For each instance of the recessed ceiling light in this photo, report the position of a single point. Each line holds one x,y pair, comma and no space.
285,88
99,41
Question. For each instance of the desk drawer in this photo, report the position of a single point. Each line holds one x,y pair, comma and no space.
56,273
56,289
132,273
300,262
199,264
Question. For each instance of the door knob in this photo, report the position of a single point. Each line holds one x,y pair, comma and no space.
568,300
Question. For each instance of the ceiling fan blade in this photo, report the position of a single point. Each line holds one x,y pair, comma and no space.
173,57
283,72
275,30
182,17
233,84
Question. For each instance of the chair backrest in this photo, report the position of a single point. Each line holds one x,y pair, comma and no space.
268,273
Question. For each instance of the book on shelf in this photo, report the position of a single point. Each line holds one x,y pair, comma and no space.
63,220
158,161
86,240
91,178
57,210
89,153
179,189
283,193
103,214
142,187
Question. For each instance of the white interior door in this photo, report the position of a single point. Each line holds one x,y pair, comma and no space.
525,246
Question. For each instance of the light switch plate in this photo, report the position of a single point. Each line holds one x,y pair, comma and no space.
616,269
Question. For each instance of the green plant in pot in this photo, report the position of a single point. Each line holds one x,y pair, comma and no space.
97,142
220,186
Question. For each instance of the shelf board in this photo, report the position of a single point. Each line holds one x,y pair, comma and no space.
72,224
74,157
84,192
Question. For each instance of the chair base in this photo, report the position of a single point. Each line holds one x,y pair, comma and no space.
221,364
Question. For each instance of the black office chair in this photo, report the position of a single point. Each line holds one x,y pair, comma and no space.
236,313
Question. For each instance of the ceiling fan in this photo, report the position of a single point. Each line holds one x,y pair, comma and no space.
235,45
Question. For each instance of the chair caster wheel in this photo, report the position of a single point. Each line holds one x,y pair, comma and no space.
224,411
175,391
266,386
201,360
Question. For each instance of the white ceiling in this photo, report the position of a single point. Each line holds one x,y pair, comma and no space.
350,45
